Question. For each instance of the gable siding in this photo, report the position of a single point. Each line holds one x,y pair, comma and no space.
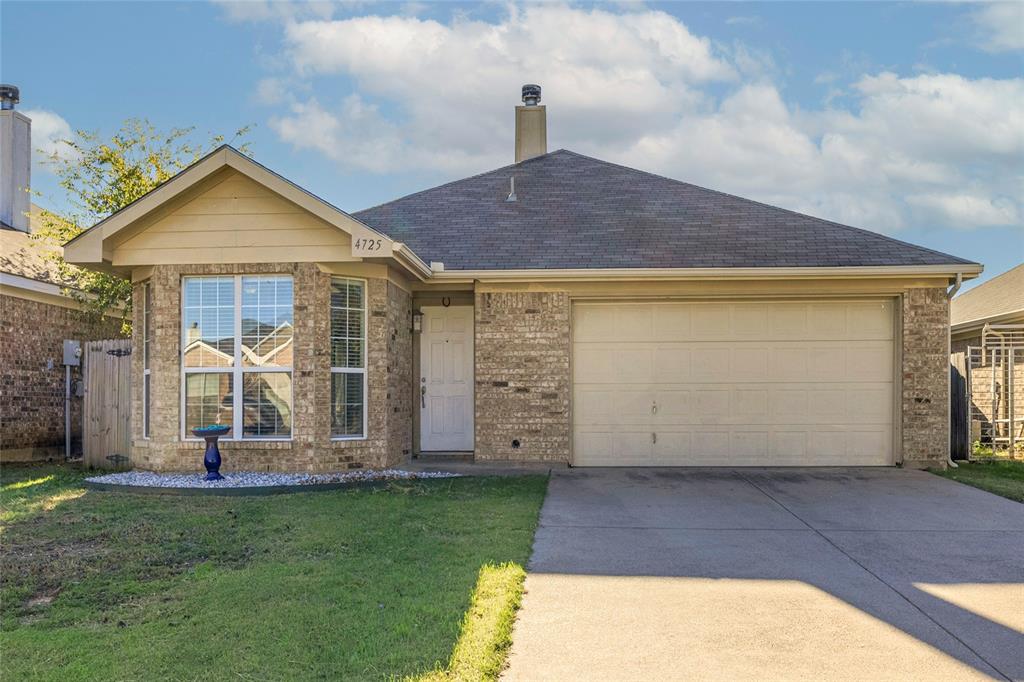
236,221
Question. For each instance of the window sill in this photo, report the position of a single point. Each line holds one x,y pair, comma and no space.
342,443
192,444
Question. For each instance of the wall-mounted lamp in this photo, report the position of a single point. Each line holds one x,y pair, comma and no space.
417,321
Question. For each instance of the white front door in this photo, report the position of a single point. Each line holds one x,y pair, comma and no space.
446,379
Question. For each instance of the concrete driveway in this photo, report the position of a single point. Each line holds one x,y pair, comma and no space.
719,574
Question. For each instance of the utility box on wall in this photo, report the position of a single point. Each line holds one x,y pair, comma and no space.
72,352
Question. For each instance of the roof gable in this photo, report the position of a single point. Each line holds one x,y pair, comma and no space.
241,193
576,212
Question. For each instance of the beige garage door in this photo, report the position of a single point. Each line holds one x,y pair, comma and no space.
733,383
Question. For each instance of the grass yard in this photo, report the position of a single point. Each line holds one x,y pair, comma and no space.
1004,477
365,584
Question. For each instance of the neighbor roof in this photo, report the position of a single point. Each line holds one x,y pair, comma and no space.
573,211
999,296
24,256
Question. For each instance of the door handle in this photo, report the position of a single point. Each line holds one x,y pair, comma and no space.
654,438
423,397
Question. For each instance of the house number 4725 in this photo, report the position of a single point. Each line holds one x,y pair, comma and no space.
364,244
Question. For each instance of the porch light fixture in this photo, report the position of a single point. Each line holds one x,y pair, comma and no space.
417,321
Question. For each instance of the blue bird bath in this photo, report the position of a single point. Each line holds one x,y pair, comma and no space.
211,459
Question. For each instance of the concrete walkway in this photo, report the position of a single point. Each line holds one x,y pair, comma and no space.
718,574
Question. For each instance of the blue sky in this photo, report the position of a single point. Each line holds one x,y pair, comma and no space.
902,118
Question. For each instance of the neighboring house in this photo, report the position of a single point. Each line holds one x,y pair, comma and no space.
999,301
35,315
560,309
35,319
987,332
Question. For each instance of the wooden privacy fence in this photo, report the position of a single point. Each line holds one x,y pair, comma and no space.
107,406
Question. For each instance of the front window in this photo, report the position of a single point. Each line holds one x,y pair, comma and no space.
348,358
238,334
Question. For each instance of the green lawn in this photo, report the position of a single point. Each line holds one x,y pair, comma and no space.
365,584
1004,478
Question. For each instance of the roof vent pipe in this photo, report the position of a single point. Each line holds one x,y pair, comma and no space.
512,190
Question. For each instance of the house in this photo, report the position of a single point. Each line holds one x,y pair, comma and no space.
999,301
560,309
987,332
36,315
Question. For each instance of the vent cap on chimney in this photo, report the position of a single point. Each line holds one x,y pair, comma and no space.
531,95
10,95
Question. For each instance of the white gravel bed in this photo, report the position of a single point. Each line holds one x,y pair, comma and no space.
253,479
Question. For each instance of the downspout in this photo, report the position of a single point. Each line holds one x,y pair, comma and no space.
950,293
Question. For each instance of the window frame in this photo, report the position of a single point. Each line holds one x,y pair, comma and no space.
237,369
147,343
351,370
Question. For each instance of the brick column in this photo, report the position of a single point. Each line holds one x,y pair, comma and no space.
925,404
522,376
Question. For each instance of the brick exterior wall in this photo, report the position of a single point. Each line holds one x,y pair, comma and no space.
925,399
32,333
389,366
522,376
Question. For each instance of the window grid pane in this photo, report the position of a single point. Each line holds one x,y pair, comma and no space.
267,321
209,321
267,404
347,404
209,400
348,333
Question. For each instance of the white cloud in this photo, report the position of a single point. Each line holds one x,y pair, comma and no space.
1000,26
48,131
642,89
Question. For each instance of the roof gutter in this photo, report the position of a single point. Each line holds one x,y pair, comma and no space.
960,272
411,261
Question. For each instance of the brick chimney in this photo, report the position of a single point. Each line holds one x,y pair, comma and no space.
15,161
531,125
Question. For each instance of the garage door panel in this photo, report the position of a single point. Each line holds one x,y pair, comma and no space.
736,383
711,322
674,405
749,321
606,363
788,443
789,322
710,405
673,363
749,363
671,321
615,448
710,363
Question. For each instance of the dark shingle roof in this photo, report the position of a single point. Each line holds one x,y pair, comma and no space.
577,212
